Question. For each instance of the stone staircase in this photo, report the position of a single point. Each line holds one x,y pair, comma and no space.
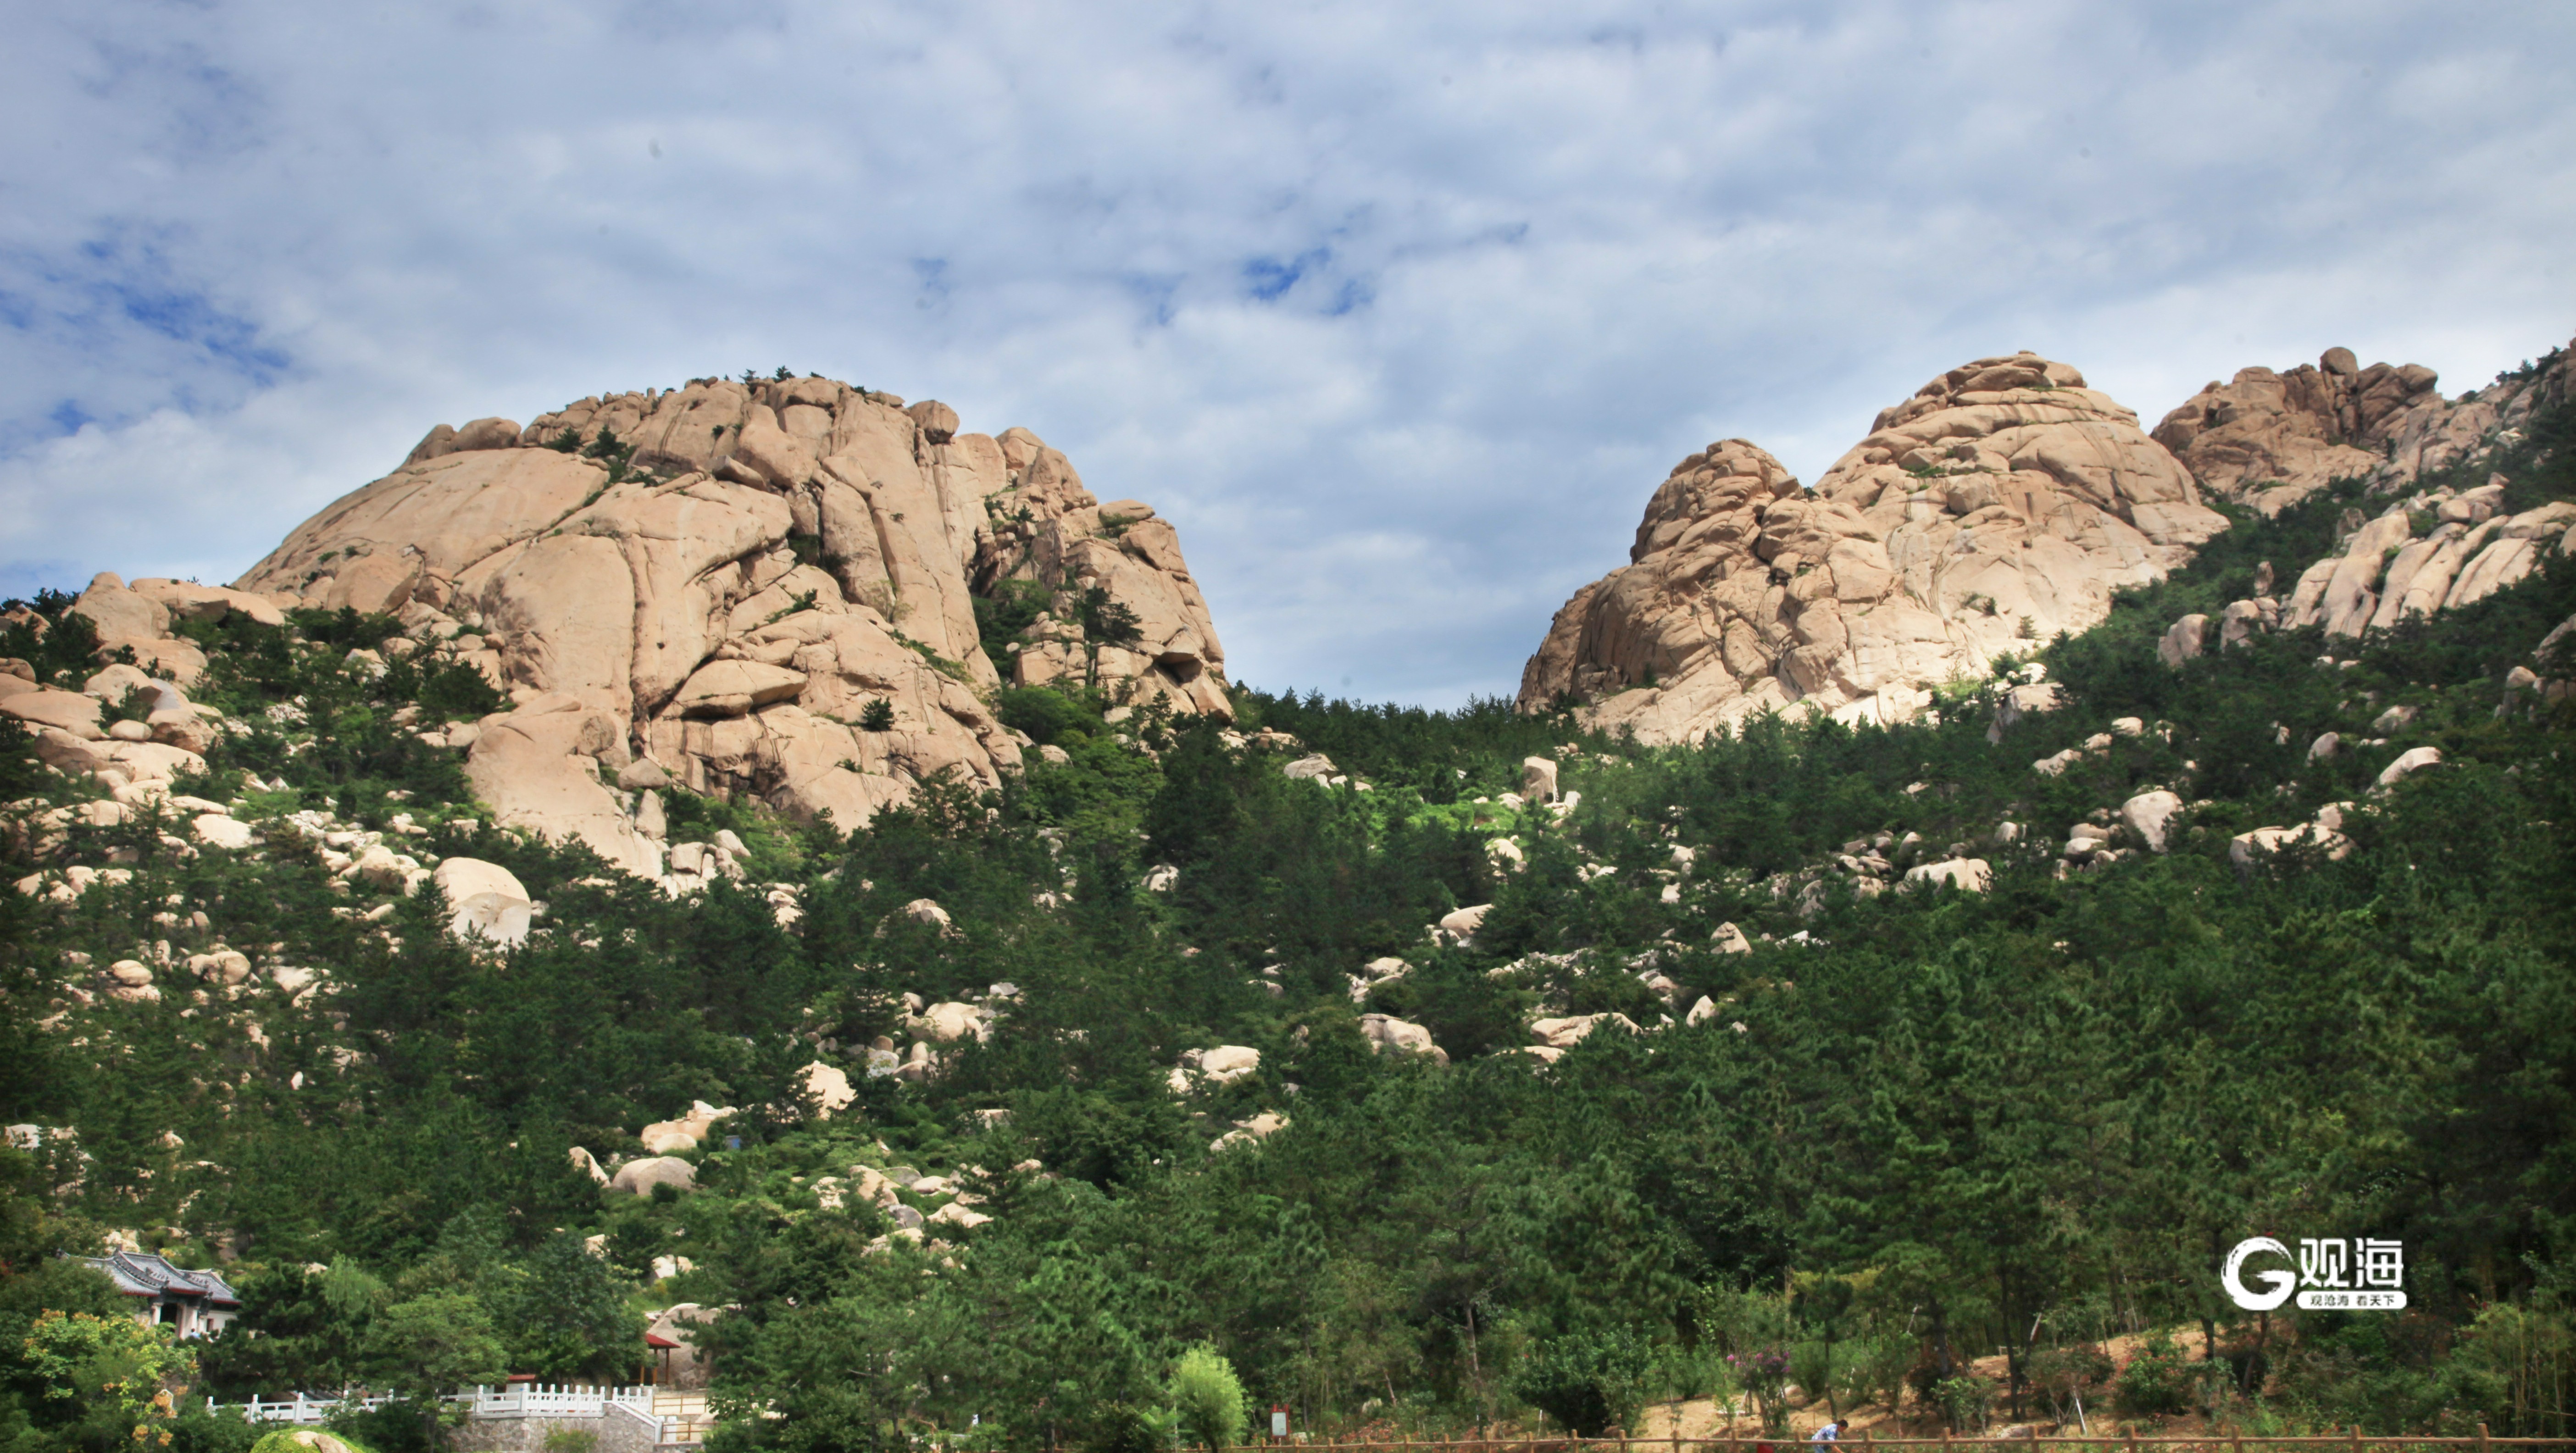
685,1420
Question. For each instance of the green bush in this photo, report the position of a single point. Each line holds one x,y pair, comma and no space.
1012,607
1208,1400
1047,715
1587,1381
61,651
2064,1375
396,1427
1872,1369
1122,1427
1964,1401
2158,1380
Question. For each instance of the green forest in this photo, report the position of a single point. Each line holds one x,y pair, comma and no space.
1921,1128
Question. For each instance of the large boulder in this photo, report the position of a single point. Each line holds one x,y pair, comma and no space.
950,1022
72,712
642,1177
684,1133
1224,1064
1462,924
1568,1032
829,1085
187,600
2183,639
1385,1032
737,688
1968,875
119,614
485,901
2150,816
2001,504
2408,763
221,830
539,768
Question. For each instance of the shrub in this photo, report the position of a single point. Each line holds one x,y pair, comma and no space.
1127,1428
1048,716
1012,607
2063,1374
1965,1400
1588,1382
2157,1381
396,1427
1208,1399
1812,1365
1872,1370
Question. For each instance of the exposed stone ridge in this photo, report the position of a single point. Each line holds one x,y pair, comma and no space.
2270,439
2002,503
2434,550
778,557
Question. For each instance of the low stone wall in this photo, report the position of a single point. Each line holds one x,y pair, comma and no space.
620,1430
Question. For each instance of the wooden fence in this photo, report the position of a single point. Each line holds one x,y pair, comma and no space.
2225,1442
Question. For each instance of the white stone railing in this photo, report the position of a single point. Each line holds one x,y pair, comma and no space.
513,1400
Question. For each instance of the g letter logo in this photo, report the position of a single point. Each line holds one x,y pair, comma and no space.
2232,1276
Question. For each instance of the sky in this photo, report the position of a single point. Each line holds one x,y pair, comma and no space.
1398,312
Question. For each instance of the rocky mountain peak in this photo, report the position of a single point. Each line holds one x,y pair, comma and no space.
2270,439
2002,502
731,580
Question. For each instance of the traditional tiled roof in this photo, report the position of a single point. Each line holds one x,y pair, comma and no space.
142,1274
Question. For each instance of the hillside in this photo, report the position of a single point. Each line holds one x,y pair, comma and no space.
1436,1069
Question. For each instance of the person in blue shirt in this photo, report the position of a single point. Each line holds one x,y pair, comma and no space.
1831,1432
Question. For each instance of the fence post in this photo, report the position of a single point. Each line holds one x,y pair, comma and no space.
2236,1438
2133,1438
2356,1435
2482,1438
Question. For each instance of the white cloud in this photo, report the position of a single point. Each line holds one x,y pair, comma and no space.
1399,312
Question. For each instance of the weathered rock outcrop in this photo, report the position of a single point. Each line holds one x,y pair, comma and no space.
2270,439
2003,503
726,580
1045,528
2384,571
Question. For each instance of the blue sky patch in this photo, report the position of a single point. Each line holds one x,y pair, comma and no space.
1267,279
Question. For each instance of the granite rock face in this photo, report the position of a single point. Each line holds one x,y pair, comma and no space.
2002,503
726,579
2270,439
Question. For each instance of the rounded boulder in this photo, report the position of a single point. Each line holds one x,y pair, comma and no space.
640,1177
